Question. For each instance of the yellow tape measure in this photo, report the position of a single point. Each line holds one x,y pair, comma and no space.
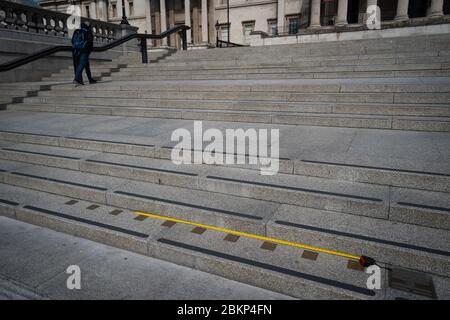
253,236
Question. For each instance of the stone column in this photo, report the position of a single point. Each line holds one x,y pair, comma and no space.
93,10
205,21
280,16
163,18
148,17
187,18
342,13
315,14
402,10
195,24
102,10
436,9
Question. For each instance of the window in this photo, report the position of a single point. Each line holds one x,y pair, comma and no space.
247,28
293,25
224,32
130,8
88,14
114,10
272,27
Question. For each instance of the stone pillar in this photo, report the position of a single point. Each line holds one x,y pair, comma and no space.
402,10
315,14
92,10
195,24
148,17
102,10
280,16
187,18
436,9
205,21
163,18
342,13
172,37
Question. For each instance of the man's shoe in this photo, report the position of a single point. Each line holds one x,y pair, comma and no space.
92,81
78,83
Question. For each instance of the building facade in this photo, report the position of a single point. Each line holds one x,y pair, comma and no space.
208,18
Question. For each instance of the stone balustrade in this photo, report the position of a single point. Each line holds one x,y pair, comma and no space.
19,17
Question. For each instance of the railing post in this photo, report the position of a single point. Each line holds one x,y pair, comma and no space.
184,39
144,50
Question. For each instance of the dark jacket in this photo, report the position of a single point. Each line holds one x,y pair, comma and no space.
89,38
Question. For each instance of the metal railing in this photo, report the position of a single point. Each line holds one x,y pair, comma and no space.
143,47
226,44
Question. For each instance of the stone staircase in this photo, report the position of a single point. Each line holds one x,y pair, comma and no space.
364,149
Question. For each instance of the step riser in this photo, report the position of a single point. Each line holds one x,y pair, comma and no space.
340,172
431,218
382,177
137,204
377,110
309,120
383,253
369,64
305,75
303,199
257,76
290,69
324,52
130,97
347,88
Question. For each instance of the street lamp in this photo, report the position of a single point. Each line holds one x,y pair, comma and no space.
124,16
217,25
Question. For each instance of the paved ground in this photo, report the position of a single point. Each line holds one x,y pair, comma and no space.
34,260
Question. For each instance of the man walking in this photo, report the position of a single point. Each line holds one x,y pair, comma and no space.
82,44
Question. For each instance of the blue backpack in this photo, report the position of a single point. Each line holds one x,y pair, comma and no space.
79,41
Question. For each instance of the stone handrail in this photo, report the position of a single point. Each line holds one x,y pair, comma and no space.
37,20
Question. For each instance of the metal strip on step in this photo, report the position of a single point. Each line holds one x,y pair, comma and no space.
247,155
108,141
41,153
59,181
375,168
270,185
189,205
143,168
87,221
423,206
30,134
266,266
366,238
11,203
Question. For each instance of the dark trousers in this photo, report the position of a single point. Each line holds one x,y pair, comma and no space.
80,63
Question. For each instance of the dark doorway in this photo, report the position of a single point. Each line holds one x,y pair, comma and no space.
446,6
417,8
388,10
353,11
